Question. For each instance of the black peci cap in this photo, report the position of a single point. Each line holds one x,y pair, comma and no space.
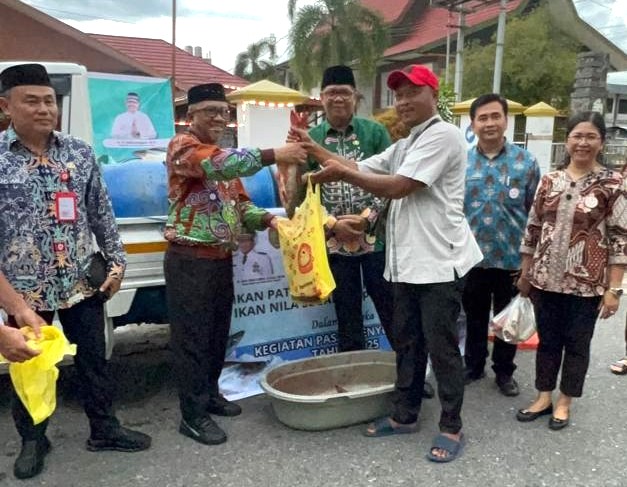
337,75
208,91
24,74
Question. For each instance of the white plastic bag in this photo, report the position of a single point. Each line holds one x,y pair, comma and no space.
516,323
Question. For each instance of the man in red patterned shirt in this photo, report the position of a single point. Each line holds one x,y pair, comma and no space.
209,210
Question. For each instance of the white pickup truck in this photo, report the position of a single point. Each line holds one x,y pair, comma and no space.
265,321
137,184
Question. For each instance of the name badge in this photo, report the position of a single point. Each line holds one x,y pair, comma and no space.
590,201
65,205
514,193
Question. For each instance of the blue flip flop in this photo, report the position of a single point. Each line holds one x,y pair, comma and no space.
383,427
452,447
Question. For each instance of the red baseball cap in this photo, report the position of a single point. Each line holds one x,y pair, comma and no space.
416,74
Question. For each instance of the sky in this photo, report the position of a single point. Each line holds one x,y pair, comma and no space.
226,28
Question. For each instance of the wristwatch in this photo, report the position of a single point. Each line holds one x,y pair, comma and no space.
616,291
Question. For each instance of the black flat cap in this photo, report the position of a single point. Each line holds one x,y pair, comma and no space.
208,91
337,75
24,74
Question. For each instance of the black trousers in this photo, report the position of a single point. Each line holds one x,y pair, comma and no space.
565,328
83,324
486,289
425,323
199,295
348,295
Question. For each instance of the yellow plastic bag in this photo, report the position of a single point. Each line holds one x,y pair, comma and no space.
304,251
35,381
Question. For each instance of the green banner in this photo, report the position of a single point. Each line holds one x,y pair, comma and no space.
132,117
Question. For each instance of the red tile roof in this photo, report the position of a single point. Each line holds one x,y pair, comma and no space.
391,10
157,53
431,25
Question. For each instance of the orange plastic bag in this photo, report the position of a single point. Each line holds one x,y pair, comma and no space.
304,251
35,381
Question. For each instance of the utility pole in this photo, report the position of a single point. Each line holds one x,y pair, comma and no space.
500,41
448,47
173,78
459,57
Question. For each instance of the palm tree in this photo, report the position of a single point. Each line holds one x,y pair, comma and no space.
333,32
250,63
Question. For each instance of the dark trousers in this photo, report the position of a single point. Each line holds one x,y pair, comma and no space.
425,323
565,328
83,324
486,289
199,295
348,296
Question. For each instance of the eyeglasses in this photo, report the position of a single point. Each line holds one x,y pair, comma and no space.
343,94
584,137
213,112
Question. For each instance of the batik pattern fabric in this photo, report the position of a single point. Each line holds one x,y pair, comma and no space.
208,203
499,194
44,259
361,139
576,229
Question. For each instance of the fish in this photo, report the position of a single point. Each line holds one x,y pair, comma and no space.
289,175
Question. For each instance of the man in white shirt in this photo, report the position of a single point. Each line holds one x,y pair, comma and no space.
429,250
133,124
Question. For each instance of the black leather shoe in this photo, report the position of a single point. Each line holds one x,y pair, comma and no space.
525,416
508,386
471,376
220,406
428,392
30,461
122,439
557,424
203,430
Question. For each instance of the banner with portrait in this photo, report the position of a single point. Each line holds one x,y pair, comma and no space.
266,323
132,117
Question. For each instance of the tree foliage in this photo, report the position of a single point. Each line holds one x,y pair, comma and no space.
331,32
446,100
539,62
258,61
398,130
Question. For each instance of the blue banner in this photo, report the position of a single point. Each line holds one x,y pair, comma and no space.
266,322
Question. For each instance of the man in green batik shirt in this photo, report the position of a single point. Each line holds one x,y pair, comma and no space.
353,249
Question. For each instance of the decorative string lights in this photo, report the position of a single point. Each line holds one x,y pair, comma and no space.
269,104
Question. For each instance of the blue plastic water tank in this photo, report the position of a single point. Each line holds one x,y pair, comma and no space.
137,188
262,188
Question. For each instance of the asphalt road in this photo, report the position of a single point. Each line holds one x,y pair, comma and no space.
262,452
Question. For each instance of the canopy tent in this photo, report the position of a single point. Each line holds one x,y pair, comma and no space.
463,107
266,92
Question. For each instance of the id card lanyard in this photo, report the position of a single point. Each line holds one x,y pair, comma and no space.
65,201
65,206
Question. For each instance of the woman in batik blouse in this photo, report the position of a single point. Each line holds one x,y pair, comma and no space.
573,256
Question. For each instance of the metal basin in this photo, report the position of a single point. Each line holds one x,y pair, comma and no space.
332,391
